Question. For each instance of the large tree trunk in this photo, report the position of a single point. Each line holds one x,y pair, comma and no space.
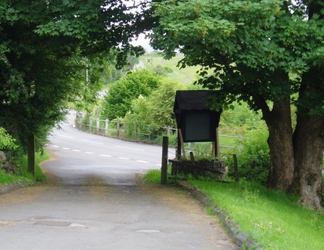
280,144
308,147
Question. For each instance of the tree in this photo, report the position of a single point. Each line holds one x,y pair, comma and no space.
119,98
161,102
268,54
154,113
43,45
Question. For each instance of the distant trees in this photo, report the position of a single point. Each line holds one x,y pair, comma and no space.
119,98
156,109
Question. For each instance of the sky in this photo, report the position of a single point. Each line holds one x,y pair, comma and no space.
145,43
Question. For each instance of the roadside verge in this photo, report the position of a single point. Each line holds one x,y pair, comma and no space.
15,185
240,238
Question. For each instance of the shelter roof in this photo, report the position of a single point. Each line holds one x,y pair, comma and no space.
192,100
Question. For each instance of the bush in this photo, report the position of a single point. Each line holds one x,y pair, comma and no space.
6,141
253,157
118,99
21,163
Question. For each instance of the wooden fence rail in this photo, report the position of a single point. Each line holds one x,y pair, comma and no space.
119,129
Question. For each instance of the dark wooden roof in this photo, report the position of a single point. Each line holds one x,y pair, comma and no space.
192,100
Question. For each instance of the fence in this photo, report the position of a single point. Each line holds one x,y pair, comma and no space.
120,129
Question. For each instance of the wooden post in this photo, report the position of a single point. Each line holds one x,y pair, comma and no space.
97,124
90,123
182,144
164,166
236,175
31,155
80,121
217,148
135,125
178,151
118,125
195,170
192,158
213,151
106,126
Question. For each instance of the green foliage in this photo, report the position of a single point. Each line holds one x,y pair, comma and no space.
160,70
6,141
46,49
155,111
110,75
119,98
239,119
161,102
273,219
21,163
184,75
153,176
266,53
253,156
6,178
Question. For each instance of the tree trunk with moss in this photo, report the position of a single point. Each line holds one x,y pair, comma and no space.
280,144
308,149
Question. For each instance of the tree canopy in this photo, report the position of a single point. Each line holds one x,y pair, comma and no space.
119,98
43,49
268,54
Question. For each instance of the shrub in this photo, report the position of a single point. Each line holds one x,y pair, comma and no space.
7,141
253,156
118,99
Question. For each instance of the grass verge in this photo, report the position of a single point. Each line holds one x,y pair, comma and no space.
22,166
153,176
8,178
273,219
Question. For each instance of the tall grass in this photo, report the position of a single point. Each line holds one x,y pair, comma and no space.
22,166
6,178
153,176
275,220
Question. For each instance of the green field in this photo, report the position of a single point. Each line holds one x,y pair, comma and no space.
186,75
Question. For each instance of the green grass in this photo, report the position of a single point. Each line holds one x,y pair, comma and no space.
273,219
153,176
9,178
22,166
228,141
186,75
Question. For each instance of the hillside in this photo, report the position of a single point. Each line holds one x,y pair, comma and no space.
186,75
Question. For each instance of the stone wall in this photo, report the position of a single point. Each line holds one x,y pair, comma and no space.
6,164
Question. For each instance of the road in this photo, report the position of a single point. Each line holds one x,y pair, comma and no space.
95,200
115,161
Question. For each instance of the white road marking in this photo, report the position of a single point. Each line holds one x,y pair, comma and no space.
123,158
130,148
87,152
77,225
66,148
148,231
66,136
76,150
142,161
54,146
93,142
105,155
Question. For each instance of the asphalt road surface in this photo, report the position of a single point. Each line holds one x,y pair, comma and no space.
95,199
